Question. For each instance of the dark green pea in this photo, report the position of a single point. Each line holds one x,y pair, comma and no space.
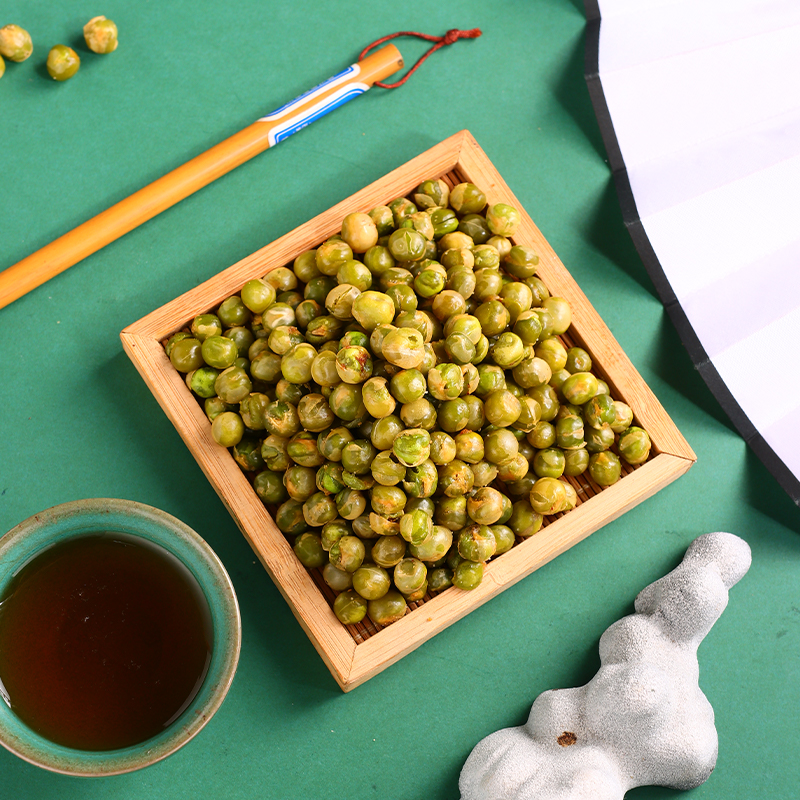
524,521
521,262
578,360
476,227
409,575
247,454
384,431
634,445
542,436
333,531
447,304
549,463
274,452
470,447
459,348
530,413
528,327
411,447
456,478
504,538
599,439
205,326
422,480
605,468
268,485
383,219
350,607
232,311
440,579
453,415
242,337
314,413
214,406
386,470
408,385
570,432
502,408
401,209
548,496
468,575
337,579
431,193
202,381
576,462
484,472
302,449
623,417
476,542
357,456
430,281
451,512
444,221
485,506
371,581
491,379
397,276
355,274
299,482
186,354
280,418
330,443
174,339
308,549
289,518
467,198
346,401
493,316
266,366
415,527
488,283
599,411
347,553
388,551
388,501
547,399
306,312
434,547
360,483
462,281
387,609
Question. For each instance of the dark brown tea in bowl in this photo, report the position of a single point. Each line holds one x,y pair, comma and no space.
104,640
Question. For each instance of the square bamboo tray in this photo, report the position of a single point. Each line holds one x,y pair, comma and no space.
356,653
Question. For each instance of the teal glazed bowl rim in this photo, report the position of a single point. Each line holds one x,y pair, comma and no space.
80,517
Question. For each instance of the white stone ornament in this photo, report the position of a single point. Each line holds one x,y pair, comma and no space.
642,720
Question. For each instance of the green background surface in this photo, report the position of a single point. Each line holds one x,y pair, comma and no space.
77,420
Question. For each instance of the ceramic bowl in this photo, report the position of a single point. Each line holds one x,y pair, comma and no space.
78,518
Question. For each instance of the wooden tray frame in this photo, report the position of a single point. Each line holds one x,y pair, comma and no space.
350,663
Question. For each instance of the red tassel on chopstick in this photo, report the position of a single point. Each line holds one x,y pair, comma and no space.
450,37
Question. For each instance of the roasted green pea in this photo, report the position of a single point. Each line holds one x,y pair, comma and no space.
634,445
289,518
268,485
308,549
387,609
350,607
548,496
524,521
